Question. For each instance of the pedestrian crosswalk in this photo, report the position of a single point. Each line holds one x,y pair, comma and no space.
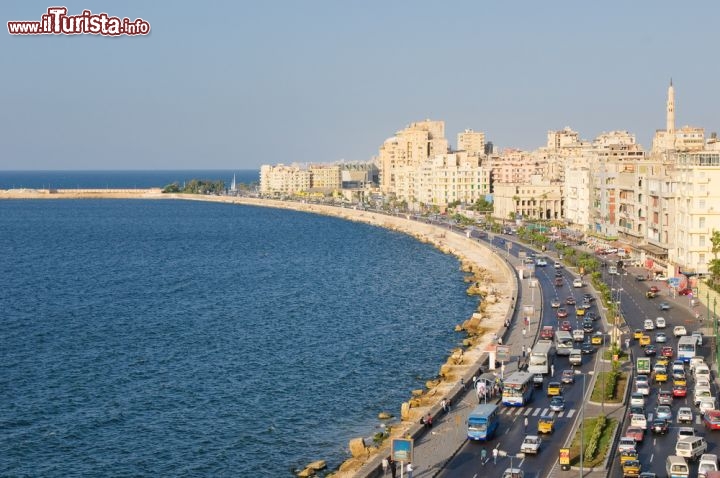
536,411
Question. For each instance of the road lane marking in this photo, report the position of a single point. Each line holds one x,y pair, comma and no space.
570,413
527,412
652,455
536,412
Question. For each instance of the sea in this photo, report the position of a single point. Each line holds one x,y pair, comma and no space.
180,338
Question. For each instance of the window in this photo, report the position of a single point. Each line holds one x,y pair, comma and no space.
701,221
701,240
701,204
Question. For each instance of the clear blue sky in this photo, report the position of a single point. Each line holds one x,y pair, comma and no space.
224,84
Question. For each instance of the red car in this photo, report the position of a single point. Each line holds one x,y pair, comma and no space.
679,391
711,419
561,313
654,289
558,282
566,326
636,433
667,352
547,332
686,291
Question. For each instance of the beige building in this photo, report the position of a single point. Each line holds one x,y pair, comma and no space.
409,148
325,178
283,179
536,199
472,142
448,178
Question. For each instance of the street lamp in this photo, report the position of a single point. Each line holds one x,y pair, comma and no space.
520,456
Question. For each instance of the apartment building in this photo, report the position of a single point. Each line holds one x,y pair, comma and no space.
283,179
537,199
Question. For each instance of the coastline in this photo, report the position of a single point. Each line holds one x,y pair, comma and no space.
475,257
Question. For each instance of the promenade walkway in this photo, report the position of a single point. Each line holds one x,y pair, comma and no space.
434,447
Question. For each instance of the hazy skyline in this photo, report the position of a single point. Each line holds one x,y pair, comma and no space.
233,85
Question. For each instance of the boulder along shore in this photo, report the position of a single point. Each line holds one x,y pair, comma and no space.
488,275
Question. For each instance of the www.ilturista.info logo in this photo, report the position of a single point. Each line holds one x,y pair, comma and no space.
57,22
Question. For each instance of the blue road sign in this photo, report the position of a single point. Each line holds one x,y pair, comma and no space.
674,281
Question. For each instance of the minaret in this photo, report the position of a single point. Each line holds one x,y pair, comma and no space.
670,127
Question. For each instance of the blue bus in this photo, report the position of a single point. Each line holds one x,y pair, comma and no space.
482,422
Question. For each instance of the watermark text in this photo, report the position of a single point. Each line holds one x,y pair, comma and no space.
57,22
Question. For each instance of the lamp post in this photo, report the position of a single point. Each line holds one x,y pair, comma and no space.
582,422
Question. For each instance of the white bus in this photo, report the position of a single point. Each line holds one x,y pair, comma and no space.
687,345
517,389
563,342
541,357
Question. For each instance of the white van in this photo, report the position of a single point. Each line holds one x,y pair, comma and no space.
695,361
702,371
677,467
708,463
691,447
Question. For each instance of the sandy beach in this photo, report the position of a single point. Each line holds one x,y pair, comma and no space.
475,257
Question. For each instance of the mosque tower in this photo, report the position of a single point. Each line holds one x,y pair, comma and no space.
670,127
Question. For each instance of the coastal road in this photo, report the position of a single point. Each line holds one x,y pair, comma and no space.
466,462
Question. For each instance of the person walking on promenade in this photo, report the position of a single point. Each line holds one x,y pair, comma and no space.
524,332
552,370
526,424
495,455
499,340
483,456
523,351
393,467
385,465
443,404
409,468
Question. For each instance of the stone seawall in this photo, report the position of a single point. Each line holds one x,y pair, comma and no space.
152,193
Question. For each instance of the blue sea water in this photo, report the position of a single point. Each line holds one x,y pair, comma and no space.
117,179
173,338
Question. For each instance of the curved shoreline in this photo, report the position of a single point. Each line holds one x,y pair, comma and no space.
473,255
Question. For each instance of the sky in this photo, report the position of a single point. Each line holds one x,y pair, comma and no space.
238,84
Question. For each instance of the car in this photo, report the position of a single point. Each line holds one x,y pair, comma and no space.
699,336
663,412
597,338
558,273
679,391
665,397
649,325
654,289
685,291
711,419
662,360
531,444
566,326
588,326
586,304
642,378
664,306
637,334
679,380
638,420
702,383
659,426
679,331
644,340
570,300
587,349
685,415
650,350
685,432
660,373
588,297
636,433
667,351
554,389
568,376
561,313
558,282
650,294
637,399
635,409
647,474
660,322
557,403
627,455
705,406
538,380
701,393
546,424
626,443
695,361
708,464
660,338
578,283
640,277
555,303
578,335
592,316
680,365
541,262
579,311
631,468
557,265
547,332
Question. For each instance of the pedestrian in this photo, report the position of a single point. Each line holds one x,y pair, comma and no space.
428,421
385,466
495,455
524,332
499,340
449,404
443,404
409,468
552,370
483,456
523,351
526,424
393,467
462,382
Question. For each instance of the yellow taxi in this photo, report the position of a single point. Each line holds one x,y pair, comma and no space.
580,311
637,334
631,468
546,424
679,381
660,372
628,455
662,361
644,340
554,388
597,338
